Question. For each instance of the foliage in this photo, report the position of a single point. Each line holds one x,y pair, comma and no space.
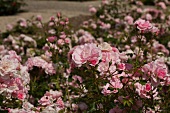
9,7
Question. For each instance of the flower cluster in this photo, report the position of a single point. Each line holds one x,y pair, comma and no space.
50,102
40,63
52,99
14,78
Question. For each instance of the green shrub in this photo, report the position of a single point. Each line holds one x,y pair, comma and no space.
9,7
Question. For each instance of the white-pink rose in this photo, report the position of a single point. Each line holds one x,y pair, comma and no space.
86,53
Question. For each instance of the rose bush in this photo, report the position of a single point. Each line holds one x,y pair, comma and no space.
118,61
9,7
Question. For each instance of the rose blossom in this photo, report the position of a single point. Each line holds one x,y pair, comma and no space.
41,63
148,87
39,18
51,39
162,5
84,37
161,72
104,2
143,25
60,42
121,66
103,66
60,103
9,27
129,19
148,17
86,53
105,90
67,40
143,90
92,9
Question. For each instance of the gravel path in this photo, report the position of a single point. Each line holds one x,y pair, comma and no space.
47,9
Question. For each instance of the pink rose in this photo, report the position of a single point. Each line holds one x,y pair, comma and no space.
129,20
148,17
161,73
60,103
63,36
143,25
51,39
148,87
92,9
39,18
116,83
103,66
45,100
86,53
67,40
162,5
121,66
20,95
52,18
60,42
104,2
105,90
75,78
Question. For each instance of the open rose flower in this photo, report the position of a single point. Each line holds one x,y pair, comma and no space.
143,25
86,53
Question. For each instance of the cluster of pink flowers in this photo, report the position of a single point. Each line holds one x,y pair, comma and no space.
157,47
156,72
41,63
114,64
113,56
63,39
18,43
116,71
114,84
104,26
52,99
76,79
129,20
162,5
145,91
50,102
22,22
14,78
84,37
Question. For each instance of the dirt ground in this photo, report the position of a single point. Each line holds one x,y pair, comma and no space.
77,11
